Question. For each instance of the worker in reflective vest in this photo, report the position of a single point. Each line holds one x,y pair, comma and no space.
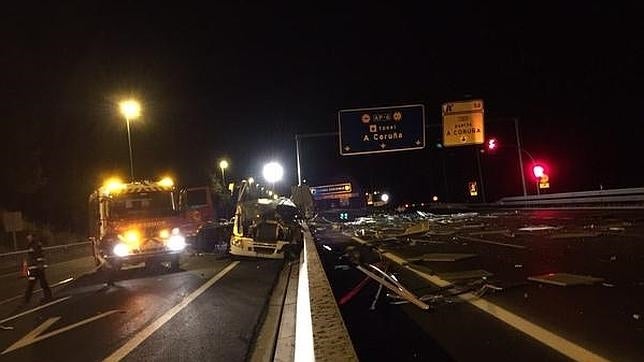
36,269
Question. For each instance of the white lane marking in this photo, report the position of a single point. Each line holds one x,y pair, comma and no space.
35,335
55,285
34,309
552,340
146,332
304,347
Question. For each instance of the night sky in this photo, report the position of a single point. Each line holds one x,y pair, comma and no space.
240,80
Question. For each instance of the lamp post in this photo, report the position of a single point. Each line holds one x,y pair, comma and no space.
130,109
223,165
493,144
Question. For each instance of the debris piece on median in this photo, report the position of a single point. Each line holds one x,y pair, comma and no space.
421,268
538,228
575,235
565,279
447,257
466,274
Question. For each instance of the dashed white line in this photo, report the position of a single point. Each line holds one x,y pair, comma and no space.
34,309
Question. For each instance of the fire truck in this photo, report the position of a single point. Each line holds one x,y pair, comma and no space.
143,221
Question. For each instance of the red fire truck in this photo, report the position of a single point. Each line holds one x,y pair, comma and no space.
143,222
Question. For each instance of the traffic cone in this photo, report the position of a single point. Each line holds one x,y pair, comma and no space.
24,270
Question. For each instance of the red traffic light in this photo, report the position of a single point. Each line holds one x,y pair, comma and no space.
538,171
491,144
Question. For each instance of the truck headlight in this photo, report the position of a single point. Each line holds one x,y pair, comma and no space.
176,242
164,234
121,250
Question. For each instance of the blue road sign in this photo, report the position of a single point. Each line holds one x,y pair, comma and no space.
383,129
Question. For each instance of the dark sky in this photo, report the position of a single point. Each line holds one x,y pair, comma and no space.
237,79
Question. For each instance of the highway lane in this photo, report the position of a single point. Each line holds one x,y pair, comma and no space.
207,311
603,319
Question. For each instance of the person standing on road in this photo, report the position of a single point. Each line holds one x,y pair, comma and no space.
36,268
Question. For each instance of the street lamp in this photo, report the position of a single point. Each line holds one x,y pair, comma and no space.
130,109
223,165
384,198
273,172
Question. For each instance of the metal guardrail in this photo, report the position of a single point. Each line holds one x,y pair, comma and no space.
12,261
633,197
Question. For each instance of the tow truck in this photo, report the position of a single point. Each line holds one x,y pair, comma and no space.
139,222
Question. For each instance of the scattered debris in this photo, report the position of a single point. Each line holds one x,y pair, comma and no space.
518,266
490,232
565,279
424,241
608,285
616,228
470,238
342,267
442,257
636,316
575,235
375,298
327,247
466,274
472,226
538,228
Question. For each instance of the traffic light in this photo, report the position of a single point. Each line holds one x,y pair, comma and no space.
491,144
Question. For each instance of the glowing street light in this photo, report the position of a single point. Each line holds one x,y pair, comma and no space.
273,172
223,165
130,109
384,198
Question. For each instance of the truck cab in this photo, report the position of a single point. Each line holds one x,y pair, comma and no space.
137,222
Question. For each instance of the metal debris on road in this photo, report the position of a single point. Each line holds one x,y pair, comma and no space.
466,274
442,257
538,228
574,235
565,279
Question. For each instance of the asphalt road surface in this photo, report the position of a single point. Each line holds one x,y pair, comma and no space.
520,319
207,311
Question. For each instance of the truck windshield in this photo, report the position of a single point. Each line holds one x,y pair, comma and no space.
143,204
